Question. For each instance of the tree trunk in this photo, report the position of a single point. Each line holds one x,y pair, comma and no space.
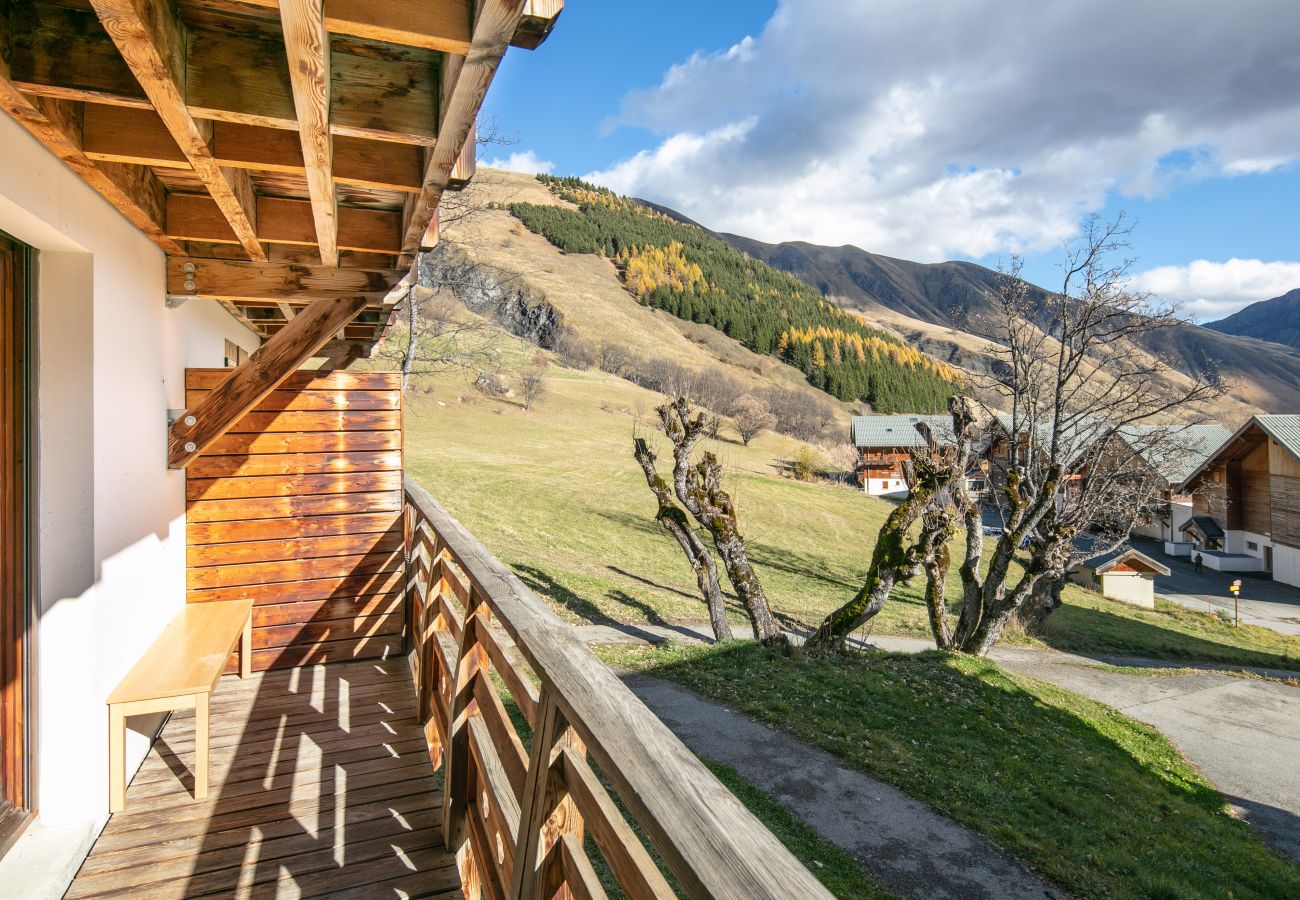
408,358
719,518
674,521
936,563
1043,600
892,561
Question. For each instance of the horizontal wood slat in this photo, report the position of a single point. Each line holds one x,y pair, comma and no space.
298,509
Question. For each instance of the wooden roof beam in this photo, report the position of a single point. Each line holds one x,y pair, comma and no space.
133,190
494,27
149,36
431,24
238,281
273,362
307,46
536,23
232,76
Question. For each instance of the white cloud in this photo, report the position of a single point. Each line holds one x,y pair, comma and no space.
525,161
933,128
1211,290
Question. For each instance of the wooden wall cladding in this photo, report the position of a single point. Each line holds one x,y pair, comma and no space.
299,507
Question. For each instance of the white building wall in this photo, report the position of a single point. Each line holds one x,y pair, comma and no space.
110,362
1286,564
1129,587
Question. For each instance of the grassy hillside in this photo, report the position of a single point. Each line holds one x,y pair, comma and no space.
556,494
695,276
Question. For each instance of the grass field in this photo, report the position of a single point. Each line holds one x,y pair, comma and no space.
1097,803
555,493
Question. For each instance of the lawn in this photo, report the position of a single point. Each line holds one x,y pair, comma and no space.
1097,803
555,493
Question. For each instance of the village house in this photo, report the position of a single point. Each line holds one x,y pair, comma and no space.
883,444
1174,509
1246,501
236,641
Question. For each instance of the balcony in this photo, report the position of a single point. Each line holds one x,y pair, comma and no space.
555,780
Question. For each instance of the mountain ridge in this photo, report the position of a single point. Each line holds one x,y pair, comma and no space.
1276,320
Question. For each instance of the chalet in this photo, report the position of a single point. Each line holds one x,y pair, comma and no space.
1246,501
1175,509
883,443
1123,574
236,641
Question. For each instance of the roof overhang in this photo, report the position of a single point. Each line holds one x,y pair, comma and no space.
278,135
1130,557
1243,440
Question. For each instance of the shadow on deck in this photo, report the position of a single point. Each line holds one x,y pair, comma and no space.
320,786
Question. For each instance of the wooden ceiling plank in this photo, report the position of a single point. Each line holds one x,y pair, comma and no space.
430,24
306,45
126,135
260,374
493,29
149,37
133,191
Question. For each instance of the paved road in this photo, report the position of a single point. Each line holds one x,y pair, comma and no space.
905,845
1263,601
1243,734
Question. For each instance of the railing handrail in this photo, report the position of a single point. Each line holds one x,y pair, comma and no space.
706,836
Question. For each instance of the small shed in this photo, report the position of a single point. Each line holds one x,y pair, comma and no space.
1123,574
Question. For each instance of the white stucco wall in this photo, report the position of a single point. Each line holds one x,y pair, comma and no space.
1286,564
1129,587
110,362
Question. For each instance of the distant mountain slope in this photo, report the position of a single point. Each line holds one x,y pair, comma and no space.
1263,375
1276,320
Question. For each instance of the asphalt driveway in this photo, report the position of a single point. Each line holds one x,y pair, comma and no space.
1264,602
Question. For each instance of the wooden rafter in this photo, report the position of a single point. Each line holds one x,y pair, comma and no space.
494,27
150,39
260,374
306,43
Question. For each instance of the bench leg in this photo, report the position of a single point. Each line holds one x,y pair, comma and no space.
201,746
246,649
116,759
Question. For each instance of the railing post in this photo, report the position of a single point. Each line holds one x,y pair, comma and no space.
547,812
470,659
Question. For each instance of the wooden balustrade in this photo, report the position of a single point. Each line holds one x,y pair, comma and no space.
524,792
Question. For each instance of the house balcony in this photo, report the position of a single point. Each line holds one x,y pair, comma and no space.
481,750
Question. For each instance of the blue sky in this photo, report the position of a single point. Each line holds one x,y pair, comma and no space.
927,129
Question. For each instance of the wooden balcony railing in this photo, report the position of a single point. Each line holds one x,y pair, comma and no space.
524,791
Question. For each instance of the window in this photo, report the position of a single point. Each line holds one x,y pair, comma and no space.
235,355
1251,545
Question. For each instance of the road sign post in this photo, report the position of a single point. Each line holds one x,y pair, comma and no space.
1235,587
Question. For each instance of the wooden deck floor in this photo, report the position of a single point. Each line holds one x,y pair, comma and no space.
320,787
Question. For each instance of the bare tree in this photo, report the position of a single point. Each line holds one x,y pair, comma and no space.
437,334
751,417
1087,397
532,381
698,485
674,520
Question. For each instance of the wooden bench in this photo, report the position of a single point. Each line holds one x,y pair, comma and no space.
179,671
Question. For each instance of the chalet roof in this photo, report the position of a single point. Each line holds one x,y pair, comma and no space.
898,431
1104,562
1282,428
1205,525
1196,443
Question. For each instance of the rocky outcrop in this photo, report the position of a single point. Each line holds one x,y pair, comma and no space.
493,293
